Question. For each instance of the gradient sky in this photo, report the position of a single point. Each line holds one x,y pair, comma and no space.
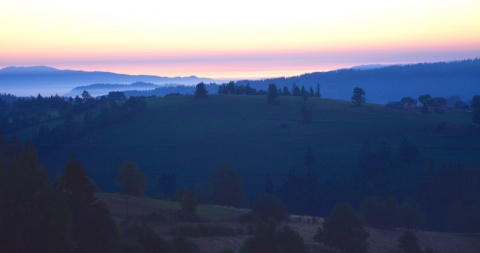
234,39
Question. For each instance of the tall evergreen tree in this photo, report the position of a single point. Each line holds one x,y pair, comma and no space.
200,91
272,93
33,217
317,92
296,90
94,229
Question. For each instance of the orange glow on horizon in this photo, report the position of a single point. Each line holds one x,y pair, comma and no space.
235,40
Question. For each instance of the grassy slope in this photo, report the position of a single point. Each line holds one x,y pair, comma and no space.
192,137
204,211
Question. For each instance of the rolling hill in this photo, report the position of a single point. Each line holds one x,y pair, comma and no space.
190,138
30,81
390,83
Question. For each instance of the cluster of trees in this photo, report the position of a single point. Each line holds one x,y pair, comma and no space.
20,112
387,195
38,217
49,138
233,89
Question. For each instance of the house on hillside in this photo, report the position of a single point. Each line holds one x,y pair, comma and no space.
407,103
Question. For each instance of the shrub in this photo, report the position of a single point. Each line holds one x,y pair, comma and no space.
267,207
344,230
408,243
268,239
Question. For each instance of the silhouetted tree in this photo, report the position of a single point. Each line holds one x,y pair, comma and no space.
268,239
188,203
266,206
131,179
86,95
317,92
476,117
227,188
231,88
94,228
439,102
200,91
425,100
476,109
33,216
286,92
358,97
249,90
135,104
303,92
408,243
475,105
343,230
272,94
296,90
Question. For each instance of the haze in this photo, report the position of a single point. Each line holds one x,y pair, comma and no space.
234,40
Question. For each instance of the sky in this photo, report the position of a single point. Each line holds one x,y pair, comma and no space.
234,39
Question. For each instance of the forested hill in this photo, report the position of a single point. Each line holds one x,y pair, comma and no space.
390,83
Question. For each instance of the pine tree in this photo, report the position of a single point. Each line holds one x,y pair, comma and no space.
94,229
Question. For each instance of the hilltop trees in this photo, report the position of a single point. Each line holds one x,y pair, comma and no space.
425,100
358,97
476,108
131,179
200,91
317,92
475,105
272,94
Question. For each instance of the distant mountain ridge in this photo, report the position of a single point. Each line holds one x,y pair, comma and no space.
27,81
389,83
381,83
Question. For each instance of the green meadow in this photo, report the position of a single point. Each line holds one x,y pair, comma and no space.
191,137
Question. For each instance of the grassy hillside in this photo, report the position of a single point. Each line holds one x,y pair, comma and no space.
190,138
380,241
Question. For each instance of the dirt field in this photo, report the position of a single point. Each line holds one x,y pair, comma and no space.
380,241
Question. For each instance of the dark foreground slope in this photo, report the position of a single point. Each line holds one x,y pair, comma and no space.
380,241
